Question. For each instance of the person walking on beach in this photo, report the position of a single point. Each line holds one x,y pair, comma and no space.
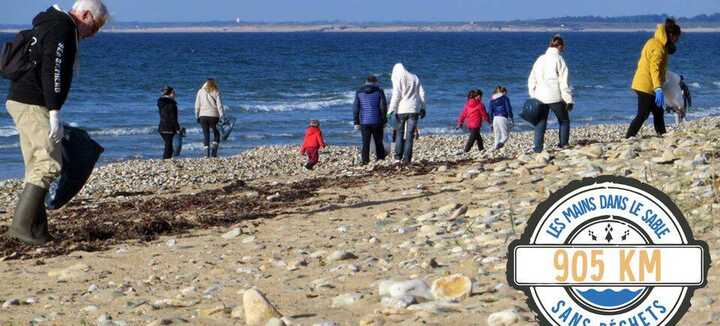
409,104
34,102
650,76
473,115
549,83
369,115
169,125
501,116
681,113
209,111
312,143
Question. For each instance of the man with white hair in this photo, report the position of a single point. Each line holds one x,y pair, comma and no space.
34,102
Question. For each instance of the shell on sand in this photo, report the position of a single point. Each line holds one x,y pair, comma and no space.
452,288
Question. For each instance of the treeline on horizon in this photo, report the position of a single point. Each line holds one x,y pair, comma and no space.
714,18
638,19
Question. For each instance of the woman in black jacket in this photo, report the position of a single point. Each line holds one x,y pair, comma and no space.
169,125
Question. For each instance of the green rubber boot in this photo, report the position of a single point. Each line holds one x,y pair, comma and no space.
29,223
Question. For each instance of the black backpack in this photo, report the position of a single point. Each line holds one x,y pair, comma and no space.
17,57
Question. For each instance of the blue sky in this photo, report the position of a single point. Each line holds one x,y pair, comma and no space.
22,11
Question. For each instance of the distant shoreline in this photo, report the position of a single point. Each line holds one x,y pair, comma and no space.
399,28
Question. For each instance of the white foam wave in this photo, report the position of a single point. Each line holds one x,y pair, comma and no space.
9,146
124,131
8,131
255,136
193,147
716,83
695,85
344,99
704,112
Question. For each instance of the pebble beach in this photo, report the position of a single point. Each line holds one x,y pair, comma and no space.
123,179
255,239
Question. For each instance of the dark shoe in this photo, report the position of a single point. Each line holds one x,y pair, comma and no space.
214,149
29,223
207,151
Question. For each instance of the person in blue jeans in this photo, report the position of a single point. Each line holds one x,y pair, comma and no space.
369,115
409,104
549,84
406,126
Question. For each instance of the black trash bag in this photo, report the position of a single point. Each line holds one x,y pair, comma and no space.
226,127
531,111
79,155
178,142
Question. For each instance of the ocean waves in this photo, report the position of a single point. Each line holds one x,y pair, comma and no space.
704,112
302,102
9,146
8,131
123,131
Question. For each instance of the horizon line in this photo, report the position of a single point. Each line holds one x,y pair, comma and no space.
388,22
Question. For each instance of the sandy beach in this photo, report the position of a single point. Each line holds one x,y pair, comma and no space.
182,241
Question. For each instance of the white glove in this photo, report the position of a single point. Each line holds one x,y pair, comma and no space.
56,127
357,127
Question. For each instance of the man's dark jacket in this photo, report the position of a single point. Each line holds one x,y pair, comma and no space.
48,85
370,106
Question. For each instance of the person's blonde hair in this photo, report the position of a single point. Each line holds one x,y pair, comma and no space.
211,86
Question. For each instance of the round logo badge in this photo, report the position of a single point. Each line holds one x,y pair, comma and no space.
608,251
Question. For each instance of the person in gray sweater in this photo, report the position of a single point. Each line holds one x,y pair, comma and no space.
209,111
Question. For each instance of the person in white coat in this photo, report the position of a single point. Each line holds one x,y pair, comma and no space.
408,103
549,84
208,112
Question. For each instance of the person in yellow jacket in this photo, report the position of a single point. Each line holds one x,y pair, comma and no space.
650,76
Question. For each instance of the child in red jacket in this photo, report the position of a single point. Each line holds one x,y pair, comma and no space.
312,144
474,114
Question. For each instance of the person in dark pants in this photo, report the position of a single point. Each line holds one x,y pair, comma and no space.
169,125
549,84
369,112
650,76
473,115
562,113
681,112
209,111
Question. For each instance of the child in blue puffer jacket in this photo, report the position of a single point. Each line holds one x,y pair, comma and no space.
501,115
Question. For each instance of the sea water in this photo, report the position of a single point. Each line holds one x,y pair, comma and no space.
274,83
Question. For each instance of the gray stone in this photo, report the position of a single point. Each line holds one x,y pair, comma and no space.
398,303
232,234
275,322
504,318
326,323
346,299
437,307
258,309
341,255
415,288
